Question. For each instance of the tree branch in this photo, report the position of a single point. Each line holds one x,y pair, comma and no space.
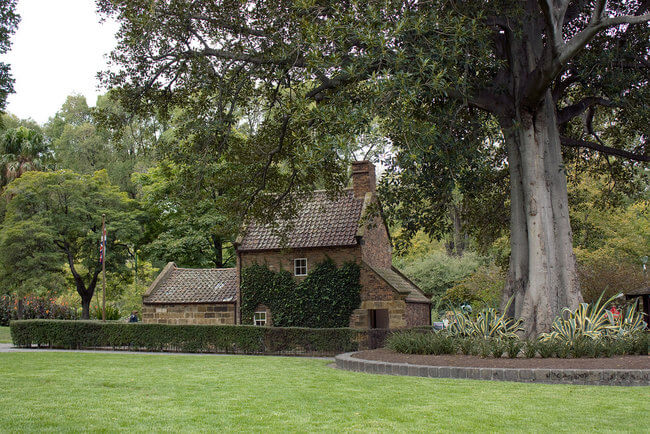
538,81
570,112
575,143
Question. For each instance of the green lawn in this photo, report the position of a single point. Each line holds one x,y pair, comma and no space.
5,336
79,392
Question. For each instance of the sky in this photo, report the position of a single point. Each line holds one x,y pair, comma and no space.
57,51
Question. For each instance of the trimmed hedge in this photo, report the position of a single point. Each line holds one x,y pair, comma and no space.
185,338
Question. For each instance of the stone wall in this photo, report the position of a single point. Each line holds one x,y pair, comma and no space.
278,260
215,314
418,314
396,313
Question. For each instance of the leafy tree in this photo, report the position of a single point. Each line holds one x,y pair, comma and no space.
186,224
433,72
22,149
9,20
53,220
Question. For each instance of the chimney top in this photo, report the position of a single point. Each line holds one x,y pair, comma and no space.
363,178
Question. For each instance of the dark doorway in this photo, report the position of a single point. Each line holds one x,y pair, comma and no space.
378,318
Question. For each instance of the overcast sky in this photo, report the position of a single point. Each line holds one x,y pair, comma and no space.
57,51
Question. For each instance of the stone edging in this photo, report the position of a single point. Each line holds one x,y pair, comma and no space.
602,377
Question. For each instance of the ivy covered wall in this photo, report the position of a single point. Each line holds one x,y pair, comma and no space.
325,298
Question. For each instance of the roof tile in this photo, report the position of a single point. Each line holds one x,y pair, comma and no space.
320,222
189,285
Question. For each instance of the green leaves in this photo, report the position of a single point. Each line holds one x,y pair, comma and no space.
325,298
53,221
488,323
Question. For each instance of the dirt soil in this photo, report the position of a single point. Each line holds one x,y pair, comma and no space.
617,362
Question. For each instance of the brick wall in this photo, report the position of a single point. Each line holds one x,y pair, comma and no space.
376,249
215,314
278,260
418,314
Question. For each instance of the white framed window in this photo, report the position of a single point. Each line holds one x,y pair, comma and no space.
259,318
300,266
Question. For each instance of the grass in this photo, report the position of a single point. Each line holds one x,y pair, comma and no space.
80,392
5,336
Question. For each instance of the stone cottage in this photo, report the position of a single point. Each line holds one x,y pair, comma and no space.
342,229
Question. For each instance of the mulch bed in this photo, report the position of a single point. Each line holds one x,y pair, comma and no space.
617,362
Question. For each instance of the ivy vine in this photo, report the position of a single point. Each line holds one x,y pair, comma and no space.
325,298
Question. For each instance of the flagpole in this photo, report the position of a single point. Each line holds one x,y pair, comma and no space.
104,268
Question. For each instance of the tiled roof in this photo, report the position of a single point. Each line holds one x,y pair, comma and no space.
320,222
189,285
639,291
401,284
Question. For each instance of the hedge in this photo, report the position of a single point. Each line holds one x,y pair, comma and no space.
238,339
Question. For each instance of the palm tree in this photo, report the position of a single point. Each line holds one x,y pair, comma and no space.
21,150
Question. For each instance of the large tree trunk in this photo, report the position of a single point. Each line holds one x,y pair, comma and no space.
542,275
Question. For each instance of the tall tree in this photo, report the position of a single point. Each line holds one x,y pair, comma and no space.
329,68
53,221
9,20
22,149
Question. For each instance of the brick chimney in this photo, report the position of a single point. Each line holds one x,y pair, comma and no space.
363,178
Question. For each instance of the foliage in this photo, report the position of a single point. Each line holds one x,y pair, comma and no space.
435,271
53,221
488,323
9,20
602,274
594,321
22,149
422,342
186,338
325,298
112,312
189,222
482,289
83,145
33,307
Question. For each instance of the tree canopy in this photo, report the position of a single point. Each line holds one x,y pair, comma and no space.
53,221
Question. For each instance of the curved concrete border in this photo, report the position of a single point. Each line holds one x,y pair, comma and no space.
601,377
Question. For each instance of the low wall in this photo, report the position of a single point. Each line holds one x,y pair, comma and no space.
604,377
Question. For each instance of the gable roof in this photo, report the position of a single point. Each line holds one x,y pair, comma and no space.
320,222
189,285
401,284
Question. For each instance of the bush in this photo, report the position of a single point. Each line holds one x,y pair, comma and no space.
600,275
34,308
186,338
514,347
436,272
421,342
482,289
112,312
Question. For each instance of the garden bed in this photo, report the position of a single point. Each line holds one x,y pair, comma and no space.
617,362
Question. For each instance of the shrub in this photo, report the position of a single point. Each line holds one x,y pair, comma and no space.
498,347
487,324
33,308
435,272
530,349
601,275
112,312
187,338
514,347
419,342
482,289
594,321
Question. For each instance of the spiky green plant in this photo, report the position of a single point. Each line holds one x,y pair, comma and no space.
594,322
489,323
631,321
